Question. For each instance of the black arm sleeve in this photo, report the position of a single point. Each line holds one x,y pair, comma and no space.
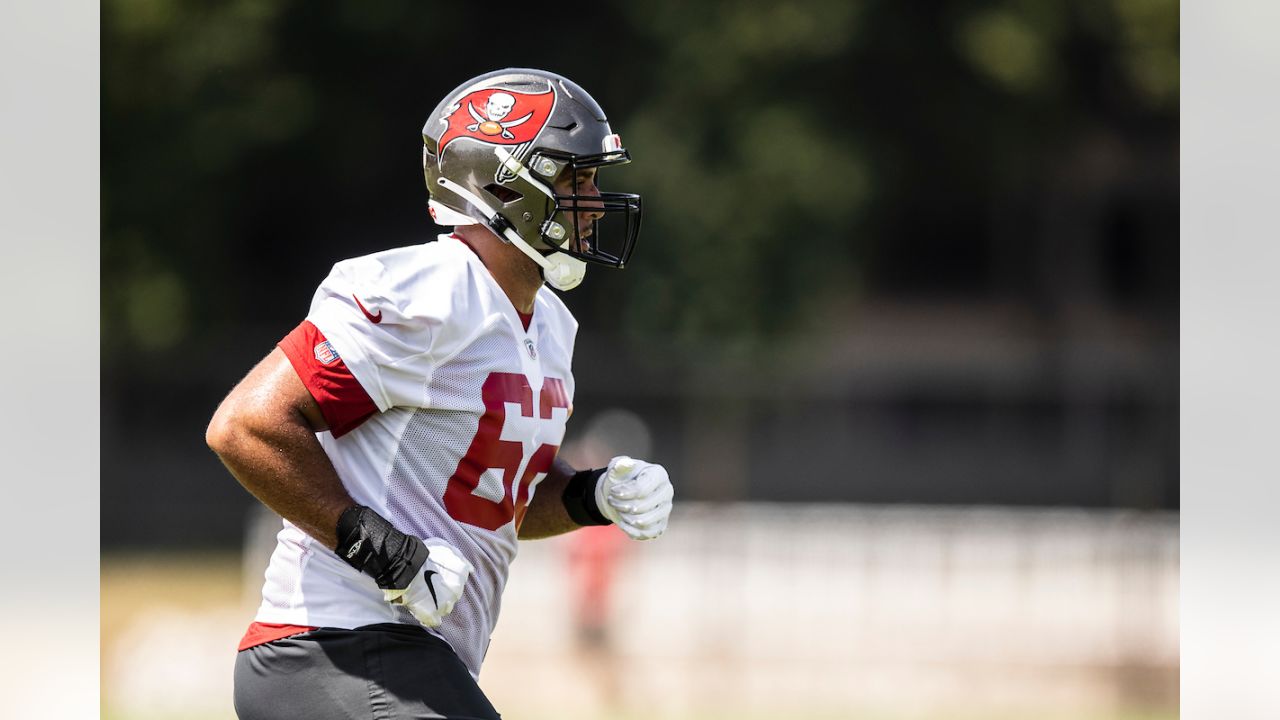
579,498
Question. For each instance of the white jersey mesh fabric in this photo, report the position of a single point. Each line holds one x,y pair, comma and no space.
447,335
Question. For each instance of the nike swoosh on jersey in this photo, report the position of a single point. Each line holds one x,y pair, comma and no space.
375,319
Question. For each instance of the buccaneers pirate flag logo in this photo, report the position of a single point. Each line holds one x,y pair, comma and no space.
498,117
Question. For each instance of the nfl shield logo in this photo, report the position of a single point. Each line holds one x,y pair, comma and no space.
528,345
326,354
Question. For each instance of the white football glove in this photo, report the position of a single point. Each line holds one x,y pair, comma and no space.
436,587
636,496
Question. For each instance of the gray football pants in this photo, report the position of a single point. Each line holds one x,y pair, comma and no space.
377,672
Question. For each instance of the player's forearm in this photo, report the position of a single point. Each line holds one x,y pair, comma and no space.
546,515
269,445
286,469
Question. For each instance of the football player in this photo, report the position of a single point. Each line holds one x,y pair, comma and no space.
407,430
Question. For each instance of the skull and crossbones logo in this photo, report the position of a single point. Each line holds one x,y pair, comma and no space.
497,107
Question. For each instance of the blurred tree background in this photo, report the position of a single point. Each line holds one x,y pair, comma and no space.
892,252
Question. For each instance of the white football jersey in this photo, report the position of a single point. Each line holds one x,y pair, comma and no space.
471,410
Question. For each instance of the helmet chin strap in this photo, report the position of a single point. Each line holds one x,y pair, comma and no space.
560,271
563,272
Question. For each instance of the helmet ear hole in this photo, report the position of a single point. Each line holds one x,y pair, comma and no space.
504,194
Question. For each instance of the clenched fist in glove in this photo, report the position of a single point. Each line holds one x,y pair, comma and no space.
425,576
436,586
635,496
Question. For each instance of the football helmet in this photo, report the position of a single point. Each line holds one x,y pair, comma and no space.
493,151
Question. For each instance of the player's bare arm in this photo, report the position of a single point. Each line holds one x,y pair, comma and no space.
264,432
547,515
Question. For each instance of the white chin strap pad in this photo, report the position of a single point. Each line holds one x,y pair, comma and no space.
563,272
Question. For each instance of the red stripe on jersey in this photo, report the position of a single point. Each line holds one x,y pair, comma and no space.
262,633
342,400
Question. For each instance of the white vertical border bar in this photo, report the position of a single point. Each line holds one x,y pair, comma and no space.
1230,394
49,284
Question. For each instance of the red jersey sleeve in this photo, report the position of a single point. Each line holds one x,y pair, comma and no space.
343,402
